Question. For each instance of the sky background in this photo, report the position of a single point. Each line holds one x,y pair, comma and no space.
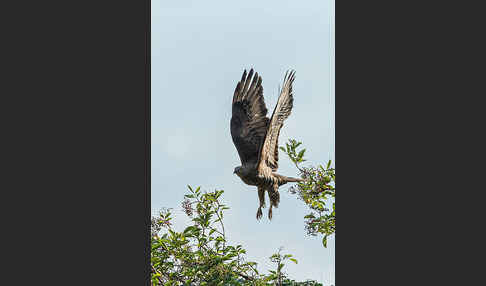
199,52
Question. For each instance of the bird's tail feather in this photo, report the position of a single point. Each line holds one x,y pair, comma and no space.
284,179
291,179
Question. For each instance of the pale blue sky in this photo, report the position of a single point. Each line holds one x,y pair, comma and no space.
199,51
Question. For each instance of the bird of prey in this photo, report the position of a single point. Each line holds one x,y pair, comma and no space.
256,136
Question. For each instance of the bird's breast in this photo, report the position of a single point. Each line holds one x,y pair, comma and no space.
250,180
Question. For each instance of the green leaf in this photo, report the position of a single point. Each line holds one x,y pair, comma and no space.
324,241
294,260
218,194
301,154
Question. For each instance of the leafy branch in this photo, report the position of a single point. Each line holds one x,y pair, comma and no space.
200,254
318,192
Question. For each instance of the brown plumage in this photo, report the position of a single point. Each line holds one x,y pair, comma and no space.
256,136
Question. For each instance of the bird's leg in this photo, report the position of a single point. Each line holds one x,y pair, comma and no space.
274,197
261,197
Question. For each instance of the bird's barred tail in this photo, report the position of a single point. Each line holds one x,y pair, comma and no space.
285,179
291,180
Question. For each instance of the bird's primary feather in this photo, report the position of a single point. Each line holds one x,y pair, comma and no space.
249,122
269,151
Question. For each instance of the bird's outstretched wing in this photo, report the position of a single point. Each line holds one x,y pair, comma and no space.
268,157
249,122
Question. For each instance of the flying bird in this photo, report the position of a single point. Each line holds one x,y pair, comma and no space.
256,136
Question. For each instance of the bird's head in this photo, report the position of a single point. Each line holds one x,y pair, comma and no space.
237,170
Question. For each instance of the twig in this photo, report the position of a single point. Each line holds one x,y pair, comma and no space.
158,278
222,225
245,276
